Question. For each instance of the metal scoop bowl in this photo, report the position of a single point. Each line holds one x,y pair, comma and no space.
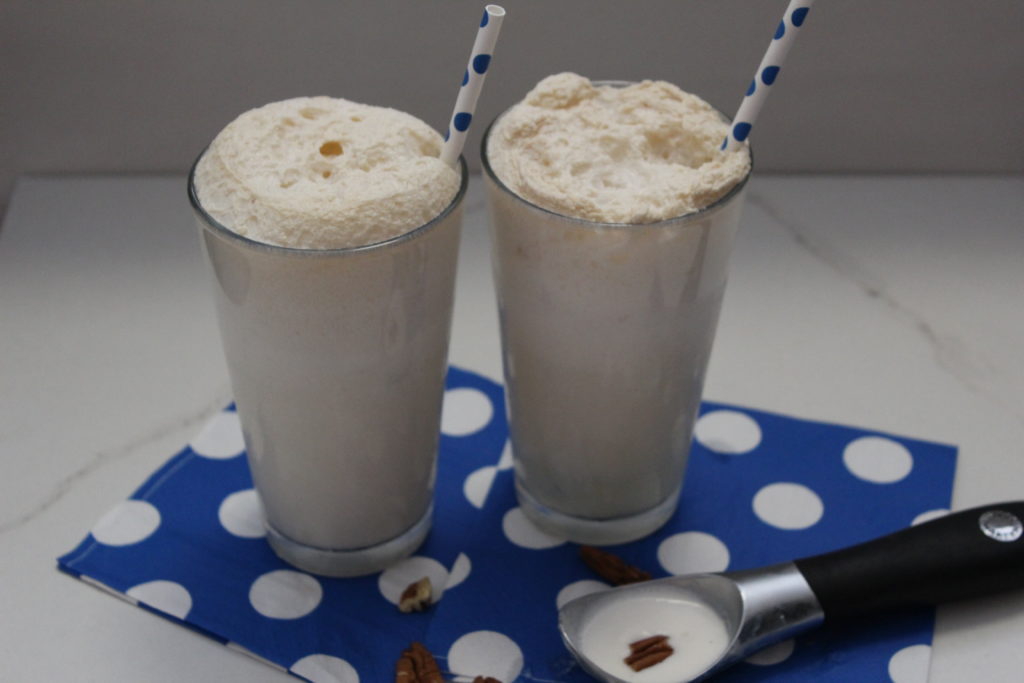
962,555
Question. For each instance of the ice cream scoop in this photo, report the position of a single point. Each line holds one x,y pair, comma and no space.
714,620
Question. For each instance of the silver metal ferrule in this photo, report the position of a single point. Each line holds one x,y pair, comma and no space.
778,603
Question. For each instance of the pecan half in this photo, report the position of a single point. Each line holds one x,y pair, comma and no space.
417,665
612,568
645,653
417,596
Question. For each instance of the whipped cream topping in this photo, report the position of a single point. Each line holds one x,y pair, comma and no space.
324,173
636,154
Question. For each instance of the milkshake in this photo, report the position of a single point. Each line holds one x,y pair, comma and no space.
613,214
332,229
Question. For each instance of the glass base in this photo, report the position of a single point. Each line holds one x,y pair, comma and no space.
596,531
358,562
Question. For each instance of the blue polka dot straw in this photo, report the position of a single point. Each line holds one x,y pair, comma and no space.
472,83
767,72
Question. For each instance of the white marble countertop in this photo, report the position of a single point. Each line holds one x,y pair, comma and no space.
894,303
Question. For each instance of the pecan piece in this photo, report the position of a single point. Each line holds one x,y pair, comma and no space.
485,679
645,653
417,665
417,596
612,568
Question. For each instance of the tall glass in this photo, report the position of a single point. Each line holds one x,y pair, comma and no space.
337,360
606,330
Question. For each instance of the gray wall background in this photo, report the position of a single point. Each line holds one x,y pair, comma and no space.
872,85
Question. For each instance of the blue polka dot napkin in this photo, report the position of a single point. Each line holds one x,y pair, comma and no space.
761,488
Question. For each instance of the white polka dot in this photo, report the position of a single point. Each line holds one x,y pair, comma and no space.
465,411
486,653
166,596
241,514
285,594
692,552
325,669
788,506
128,522
929,516
775,654
478,484
505,462
221,437
877,459
460,571
910,665
728,431
521,531
395,579
578,589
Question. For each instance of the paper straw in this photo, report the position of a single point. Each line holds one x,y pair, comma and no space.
472,83
767,72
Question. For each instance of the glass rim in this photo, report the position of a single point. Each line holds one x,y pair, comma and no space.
683,217
222,230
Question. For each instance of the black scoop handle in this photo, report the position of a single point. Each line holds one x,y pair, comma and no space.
962,555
